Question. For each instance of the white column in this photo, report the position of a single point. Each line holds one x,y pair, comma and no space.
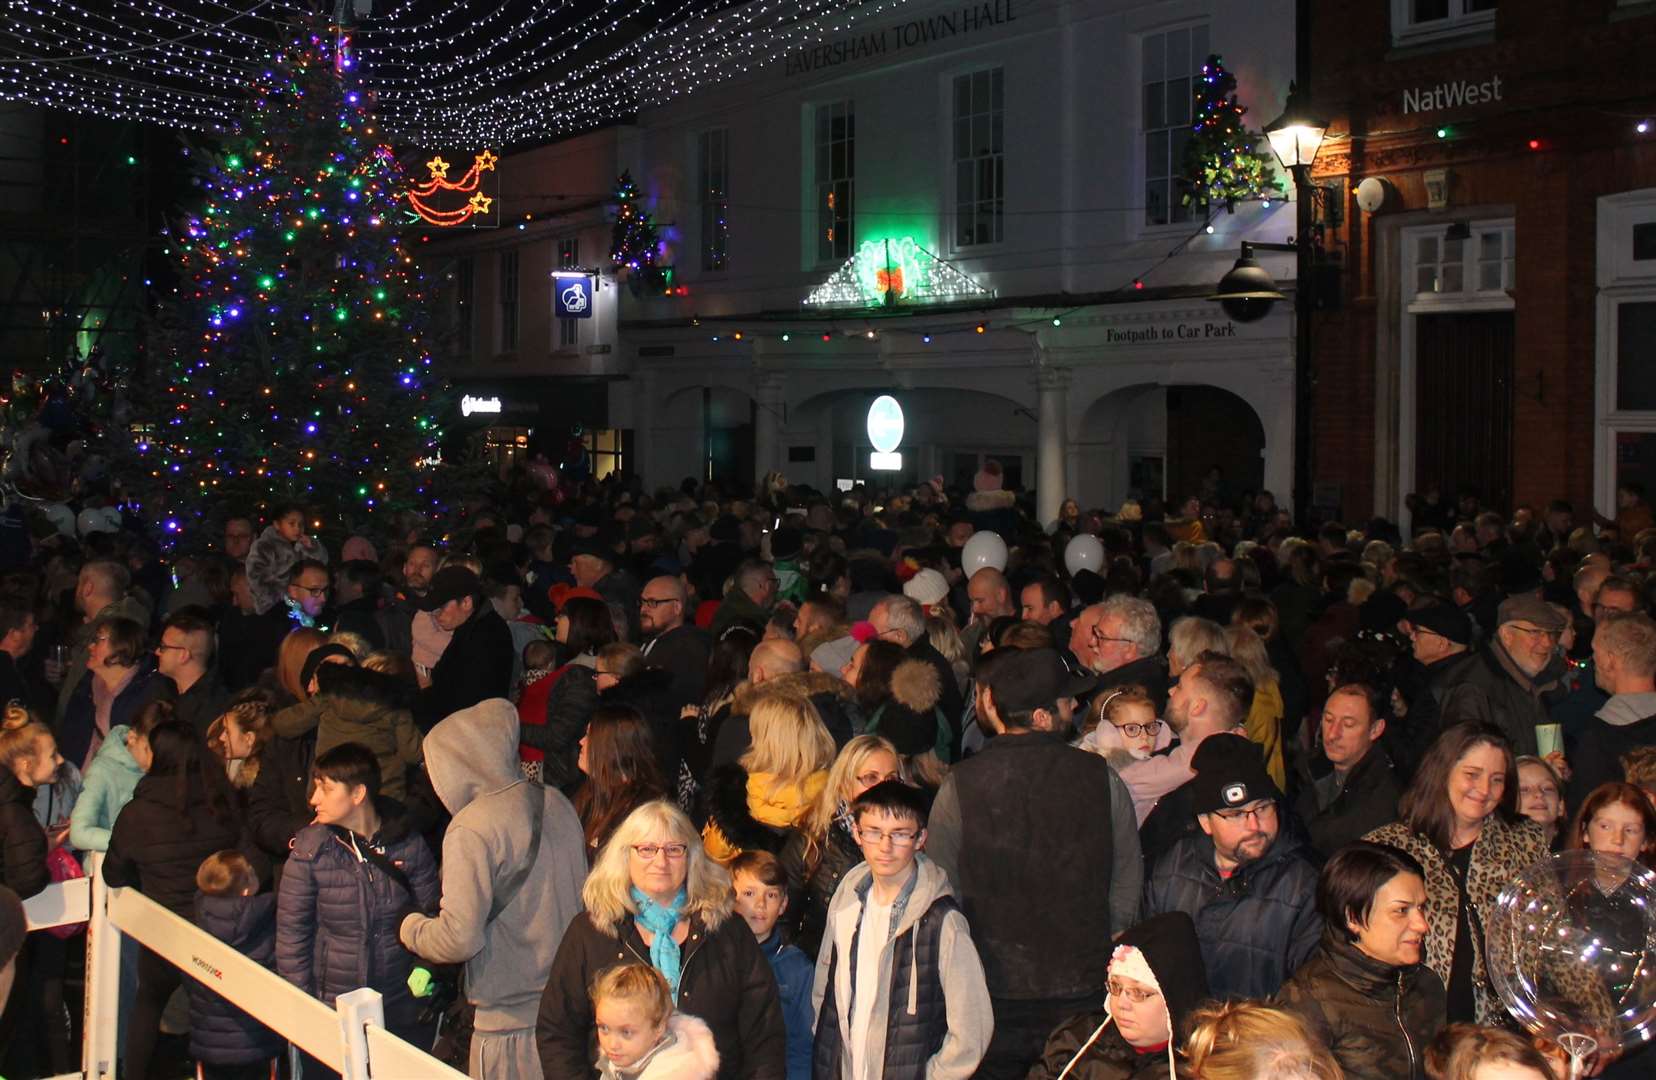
1053,384
767,424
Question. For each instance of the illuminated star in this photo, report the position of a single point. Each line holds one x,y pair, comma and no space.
486,160
480,203
439,168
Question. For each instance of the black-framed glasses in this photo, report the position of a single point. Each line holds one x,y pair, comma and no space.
1133,731
1261,813
656,601
318,593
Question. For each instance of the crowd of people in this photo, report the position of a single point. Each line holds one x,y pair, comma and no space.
681,785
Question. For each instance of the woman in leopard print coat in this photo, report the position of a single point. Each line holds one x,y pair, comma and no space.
1458,820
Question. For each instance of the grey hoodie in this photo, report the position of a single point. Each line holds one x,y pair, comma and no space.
1624,709
966,995
472,759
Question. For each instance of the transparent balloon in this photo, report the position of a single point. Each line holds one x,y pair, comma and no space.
1571,949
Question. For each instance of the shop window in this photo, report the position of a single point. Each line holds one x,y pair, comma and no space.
506,447
1415,21
980,157
1171,60
713,160
569,258
836,170
465,285
508,301
605,451
1462,262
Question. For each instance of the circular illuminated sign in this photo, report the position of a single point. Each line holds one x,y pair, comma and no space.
885,423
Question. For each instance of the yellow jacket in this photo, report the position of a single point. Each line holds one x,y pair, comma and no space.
1264,726
732,823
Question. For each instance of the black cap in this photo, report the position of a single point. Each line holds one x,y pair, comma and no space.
599,547
1035,679
786,542
450,583
1230,772
1443,620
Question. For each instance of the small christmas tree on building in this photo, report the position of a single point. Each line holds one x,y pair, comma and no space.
634,240
293,362
1221,160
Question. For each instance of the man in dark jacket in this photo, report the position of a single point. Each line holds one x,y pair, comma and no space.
397,617
1126,648
1243,879
673,645
17,635
1624,662
1440,637
1029,888
749,600
593,564
1514,669
185,655
1352,788
357,601
477,665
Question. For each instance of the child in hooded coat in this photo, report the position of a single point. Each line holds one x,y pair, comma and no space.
1130,1039
640,1037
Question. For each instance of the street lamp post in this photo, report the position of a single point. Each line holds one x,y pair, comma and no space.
1295,137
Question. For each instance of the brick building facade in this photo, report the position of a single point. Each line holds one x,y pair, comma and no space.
1488,313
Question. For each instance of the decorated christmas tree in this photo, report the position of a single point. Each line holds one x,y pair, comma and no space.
1221,160
634,243
293,362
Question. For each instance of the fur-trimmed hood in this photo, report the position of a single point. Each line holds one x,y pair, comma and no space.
688,1053
979,502
745,814
804,683
916,686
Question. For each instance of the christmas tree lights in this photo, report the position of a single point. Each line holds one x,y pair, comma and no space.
634,242
1220,160
294,361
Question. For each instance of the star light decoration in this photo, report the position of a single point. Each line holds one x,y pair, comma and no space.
421,199
467,72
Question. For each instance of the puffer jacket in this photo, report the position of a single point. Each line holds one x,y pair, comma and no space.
745,813
158,847
808,916
1256,926
933,1019
1502,849
570,702
22,839
220,1033
1376,1019
337,919
725,981
651,693
355,705
106,787
268,562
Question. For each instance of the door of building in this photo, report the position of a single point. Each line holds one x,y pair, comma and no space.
1463,402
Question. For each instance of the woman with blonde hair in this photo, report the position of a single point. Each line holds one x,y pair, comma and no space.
754,803
290,662
1264,722
823,848
655,897
1245,1040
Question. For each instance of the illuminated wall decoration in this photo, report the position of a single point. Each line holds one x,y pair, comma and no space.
894,271
434,202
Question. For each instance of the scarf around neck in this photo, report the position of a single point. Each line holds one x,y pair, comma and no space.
660,922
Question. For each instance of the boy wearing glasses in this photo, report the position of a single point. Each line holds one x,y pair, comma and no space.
1243,879
899,991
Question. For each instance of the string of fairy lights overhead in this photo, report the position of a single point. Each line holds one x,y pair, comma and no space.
471,73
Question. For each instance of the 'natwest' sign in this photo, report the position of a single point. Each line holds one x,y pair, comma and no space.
1451,95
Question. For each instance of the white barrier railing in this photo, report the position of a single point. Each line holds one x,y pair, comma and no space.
350,1039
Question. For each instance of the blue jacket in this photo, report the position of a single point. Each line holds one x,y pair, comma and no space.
105,788
220,1033
794,972
337,913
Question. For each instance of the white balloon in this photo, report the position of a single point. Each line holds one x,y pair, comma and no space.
61,517
101,519
983,549
1084,552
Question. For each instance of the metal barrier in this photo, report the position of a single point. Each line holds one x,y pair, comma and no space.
338,1038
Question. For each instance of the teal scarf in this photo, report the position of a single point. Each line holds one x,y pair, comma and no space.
660,922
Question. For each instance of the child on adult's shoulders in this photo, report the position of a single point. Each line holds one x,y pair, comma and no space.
761,888
640,1037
